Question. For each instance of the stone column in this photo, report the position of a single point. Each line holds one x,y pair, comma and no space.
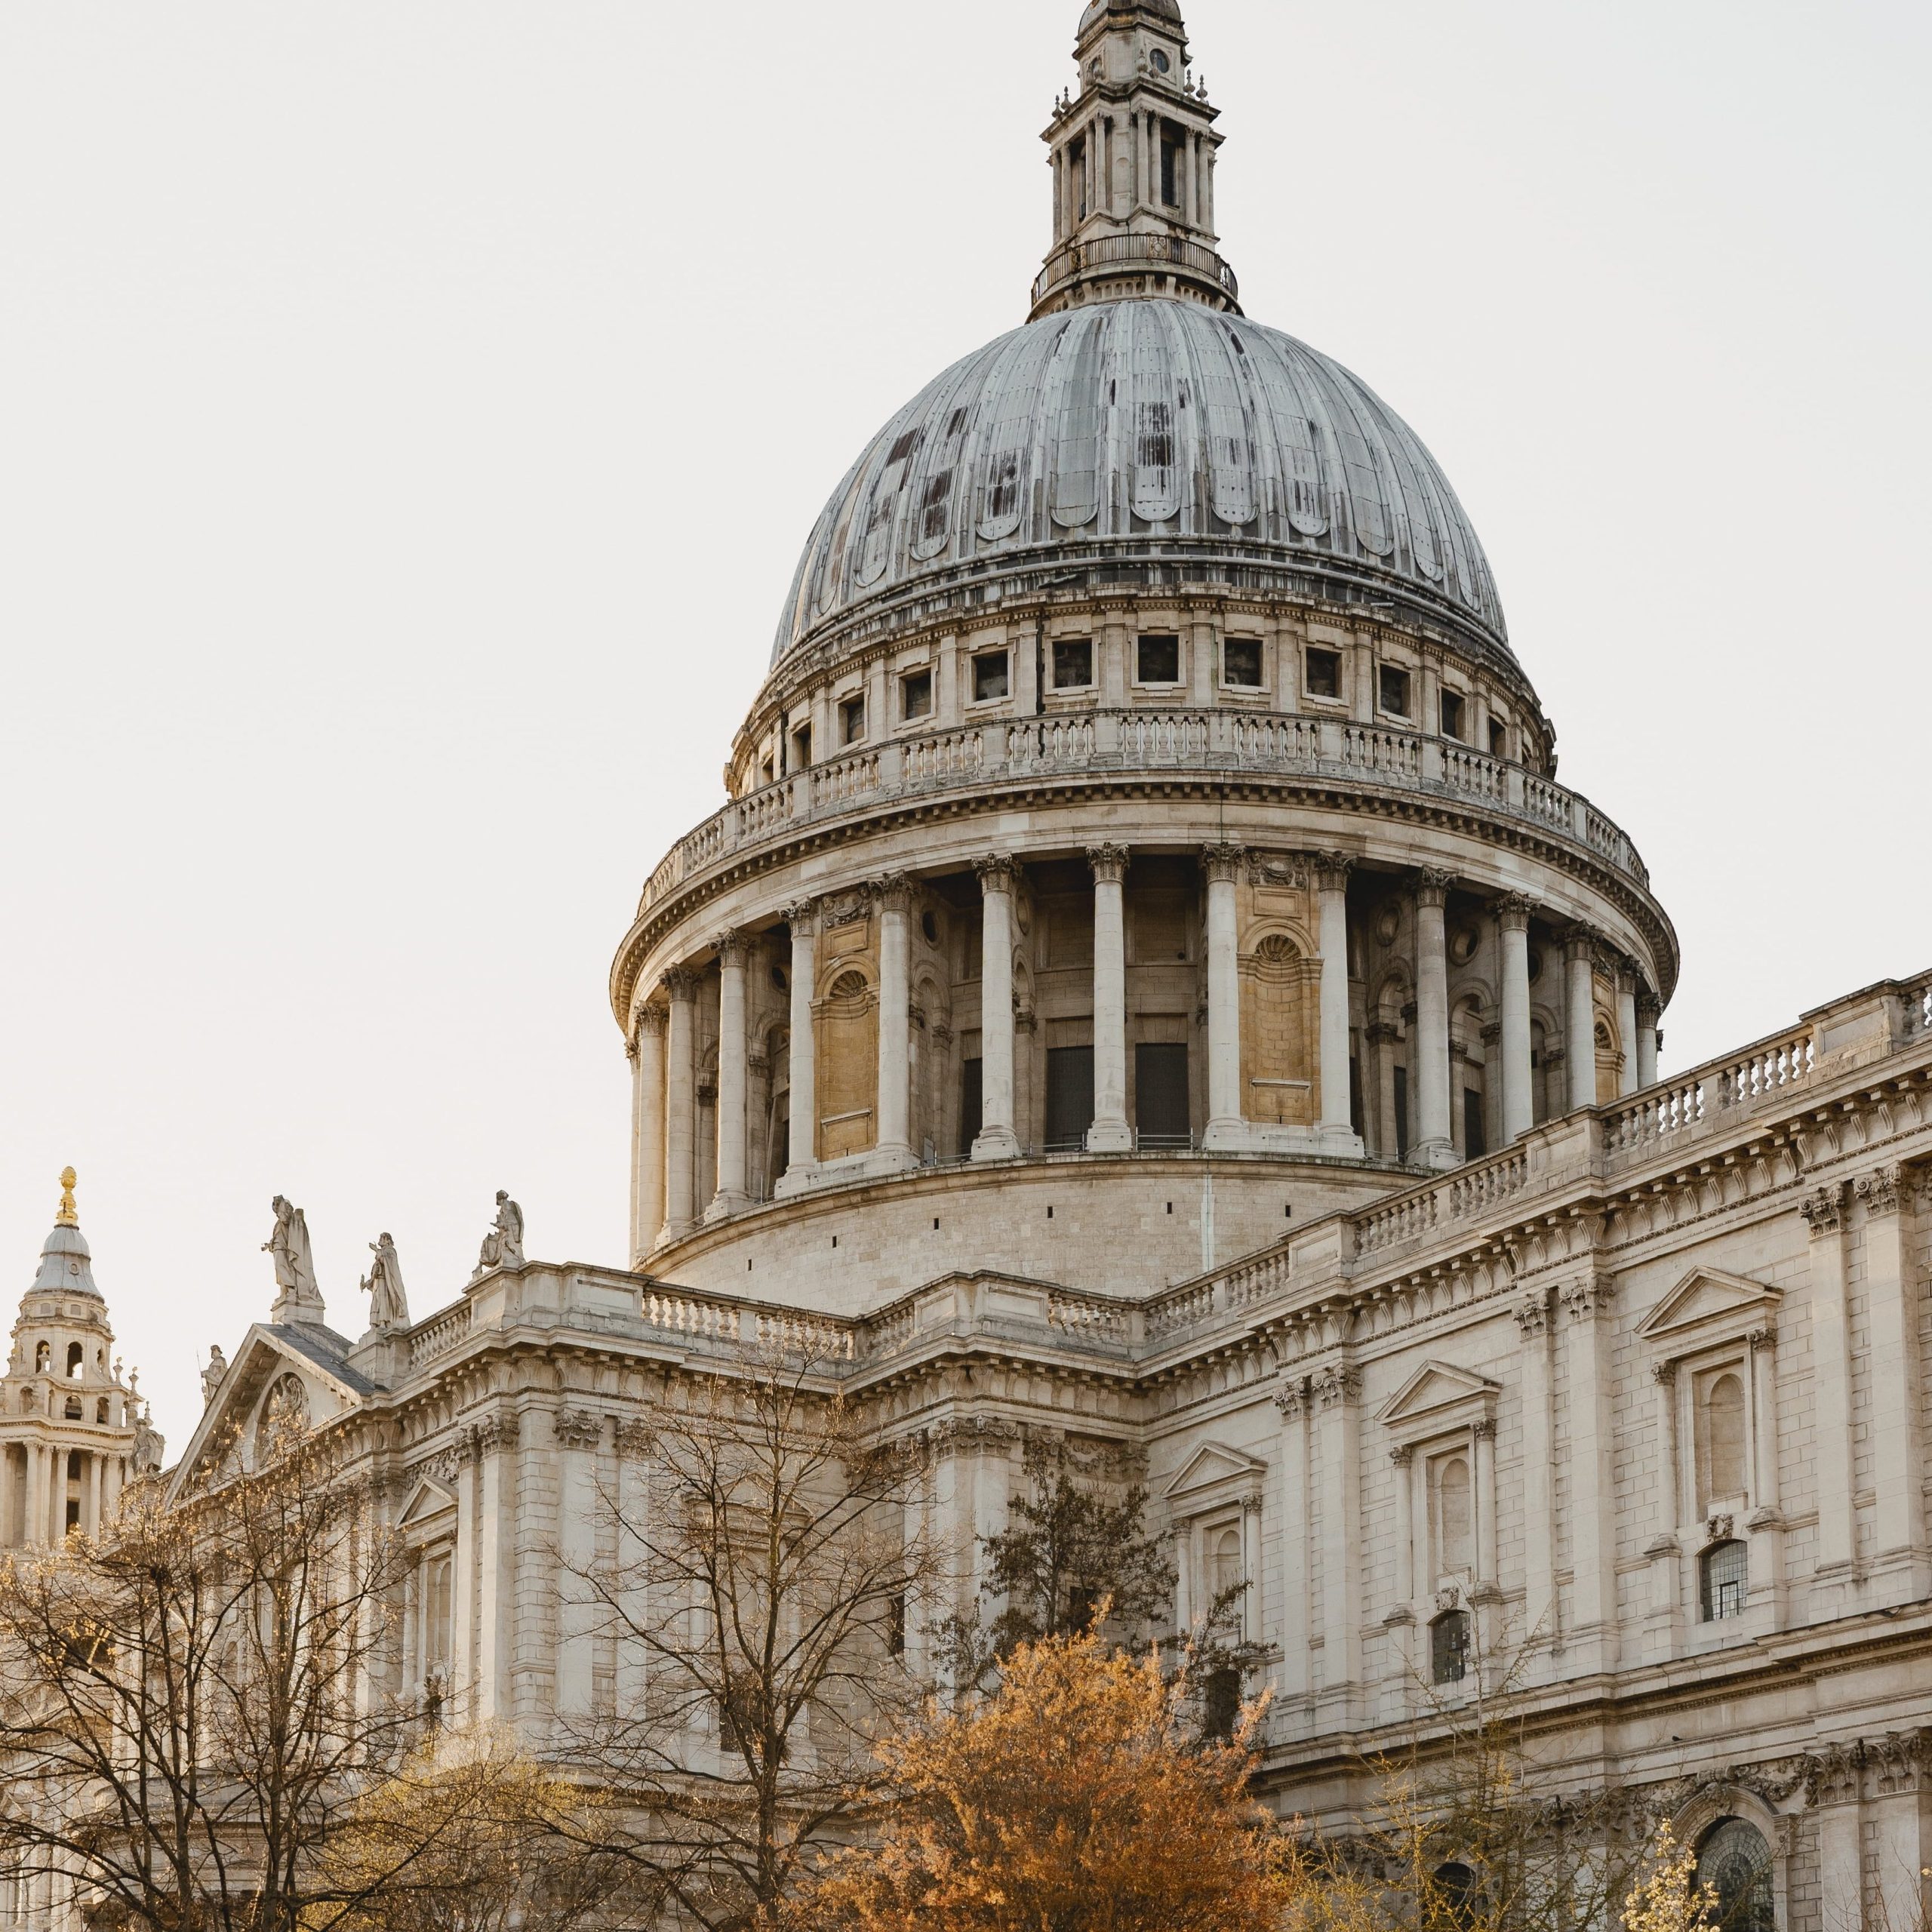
91,1517
893,1146
33,1517
495,1441
1483,1495
1665,1552
1379,1078
1226,1126
1109,1133
1331,894
1512,921
1831,1362
680,1103
632,1605
1251,1568
1765,1522
1540,1608
997,1140
734,1193
1434,1144
1580,1017
646,1048
578,1434
1337,1391
1593,1485
1291,1400
1628,1075
1899,1545
1404,1456
802,1135
1648,1039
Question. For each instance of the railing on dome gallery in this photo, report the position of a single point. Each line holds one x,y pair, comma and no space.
1129,739
1129,252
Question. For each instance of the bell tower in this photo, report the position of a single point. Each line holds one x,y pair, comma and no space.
1133,157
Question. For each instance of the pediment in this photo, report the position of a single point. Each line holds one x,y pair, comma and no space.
1438,1391
1706,1297
427,1502
1211,1467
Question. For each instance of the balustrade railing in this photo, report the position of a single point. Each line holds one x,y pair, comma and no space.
1210,740
439,1334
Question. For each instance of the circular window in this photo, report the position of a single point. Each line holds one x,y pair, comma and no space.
1535,966
778,978
1462,945
1388,925
930,927
1161,63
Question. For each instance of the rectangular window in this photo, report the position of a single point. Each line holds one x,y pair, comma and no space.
895,1624
1499,738
989,676
1452,714
1240,663
1069,1096
1170,164
802,747
1076,160
971,1090
1158,661
1475,1144
852,721
1402,1113
1073,663
1324,672
916,694
1392,691
1160,1093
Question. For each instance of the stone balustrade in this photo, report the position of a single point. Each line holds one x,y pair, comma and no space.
1072,744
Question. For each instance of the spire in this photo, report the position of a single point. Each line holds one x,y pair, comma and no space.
70,1215
65,1265
1132,146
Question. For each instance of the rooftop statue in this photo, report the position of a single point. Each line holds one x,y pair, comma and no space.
389,1307
299,1295
502,1246
211,1376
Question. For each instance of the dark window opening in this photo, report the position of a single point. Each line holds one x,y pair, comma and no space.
1082,1605
1158,662
1476,1144
1221,1705
1499,738
895,1625
801,747
1076,159
1069,1096
916,694
971,1092
990,675
1356,1113
1402,1113
1723,1577
779,980
73,1466
1324,673
73,1409
100,1409
852,721
930,927
1735,1862
1449,1647
1160,1093
1452,714
1455,1893
77,1361
73,1515
1073,663
1240,663
1392,691
1171,138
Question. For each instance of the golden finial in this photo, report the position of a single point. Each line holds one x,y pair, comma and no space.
70,1215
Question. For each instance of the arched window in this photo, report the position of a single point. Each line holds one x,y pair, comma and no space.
1735,1862
43,1357
1221,1705
1224,1564
1454,1526
77,1361
100,1409
73,1412
1723,1574
1449,1647
1455,1895
1720,1439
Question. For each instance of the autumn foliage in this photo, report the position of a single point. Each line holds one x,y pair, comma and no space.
1077,1799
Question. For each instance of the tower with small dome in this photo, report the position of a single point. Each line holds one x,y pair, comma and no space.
73,1432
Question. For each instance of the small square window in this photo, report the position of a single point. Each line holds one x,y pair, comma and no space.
1073,663
1452,714
1498,738
916,694
1324,672
1240,663
1392,691
851,720
990,675
1158,662
801,747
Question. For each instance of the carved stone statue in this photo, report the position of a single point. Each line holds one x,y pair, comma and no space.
299,1295
148,1442
389,1307
502,1246
211,1376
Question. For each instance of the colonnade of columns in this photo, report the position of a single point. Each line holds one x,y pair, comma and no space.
665,1040
43,1480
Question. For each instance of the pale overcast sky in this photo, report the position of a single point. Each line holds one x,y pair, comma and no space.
410,414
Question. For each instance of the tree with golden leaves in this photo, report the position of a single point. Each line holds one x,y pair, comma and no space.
1077,1798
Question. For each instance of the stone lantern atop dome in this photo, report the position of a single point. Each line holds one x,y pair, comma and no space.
1133,152
72,1432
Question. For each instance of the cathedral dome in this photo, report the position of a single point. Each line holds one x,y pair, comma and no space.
1134,429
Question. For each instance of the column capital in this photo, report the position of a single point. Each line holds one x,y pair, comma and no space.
1532,1314
649,1018
1764,1338
734,943
997,872
1432,886
1666,1373
1109,863
1483,1429
1379,1033
1581,942
1336,1387
1588,1296
1650,1008
893,891
680,983
1291,1398
1332,870
802,917
1823,1207
1222,864
1886,1189
1512,911
1403,1454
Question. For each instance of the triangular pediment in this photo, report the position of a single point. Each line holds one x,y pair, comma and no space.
1434,1388
427,1501
1210,1465
1707,1295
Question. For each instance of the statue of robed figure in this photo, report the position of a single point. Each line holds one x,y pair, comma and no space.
298,1296
502,1246
389,1307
